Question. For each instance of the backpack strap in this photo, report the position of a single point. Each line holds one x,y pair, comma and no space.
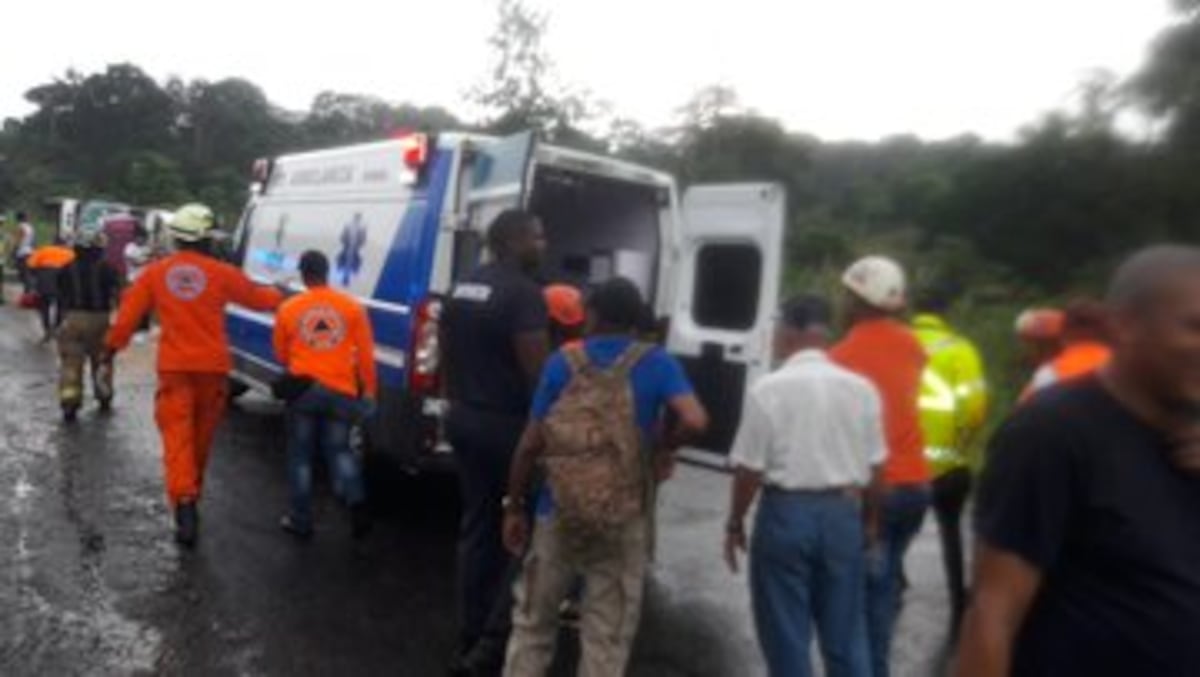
577,358
630,358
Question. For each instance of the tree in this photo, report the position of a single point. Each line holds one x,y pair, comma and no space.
523,91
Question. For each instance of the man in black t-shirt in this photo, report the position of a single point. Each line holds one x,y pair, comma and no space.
1088,515
495,338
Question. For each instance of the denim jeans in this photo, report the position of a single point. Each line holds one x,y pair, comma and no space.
903,511
807,567
484,443
322,418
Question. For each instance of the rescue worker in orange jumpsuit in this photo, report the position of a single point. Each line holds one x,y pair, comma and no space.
1085,347
44,265
188,292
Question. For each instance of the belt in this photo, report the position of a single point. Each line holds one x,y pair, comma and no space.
848,490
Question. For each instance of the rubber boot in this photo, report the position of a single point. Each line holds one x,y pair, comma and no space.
187,524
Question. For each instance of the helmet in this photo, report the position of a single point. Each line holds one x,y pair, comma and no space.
1040,323
877,280
565,304
192,223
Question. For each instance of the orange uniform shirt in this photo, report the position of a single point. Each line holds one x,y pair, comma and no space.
51,256
886,353
326,335
188,291
1076,360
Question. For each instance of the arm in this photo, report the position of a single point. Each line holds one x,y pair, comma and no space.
532,349
364,341
749,457
243,291
135,303
516,523
875,448
1005,587
281,339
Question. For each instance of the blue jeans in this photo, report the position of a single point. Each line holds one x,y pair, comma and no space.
903,511
807,564
322,418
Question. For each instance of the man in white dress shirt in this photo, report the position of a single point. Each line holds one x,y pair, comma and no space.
812,440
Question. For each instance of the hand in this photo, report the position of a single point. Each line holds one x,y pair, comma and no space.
735,541
516,533
664,466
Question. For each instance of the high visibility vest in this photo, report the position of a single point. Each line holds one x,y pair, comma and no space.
954,394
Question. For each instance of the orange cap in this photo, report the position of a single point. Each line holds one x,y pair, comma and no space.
565,304
1040,323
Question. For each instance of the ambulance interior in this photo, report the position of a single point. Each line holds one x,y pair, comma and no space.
598,227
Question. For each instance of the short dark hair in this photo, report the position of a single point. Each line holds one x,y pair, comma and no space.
22,216
806,311
1141,276
314,265
618,304
508,227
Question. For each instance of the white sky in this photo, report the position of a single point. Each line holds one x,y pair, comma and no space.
835,68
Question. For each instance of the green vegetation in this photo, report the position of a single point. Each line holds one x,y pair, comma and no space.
1004,224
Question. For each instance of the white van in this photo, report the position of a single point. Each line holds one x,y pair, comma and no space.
402,219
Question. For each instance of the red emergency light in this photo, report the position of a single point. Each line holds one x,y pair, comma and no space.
415,148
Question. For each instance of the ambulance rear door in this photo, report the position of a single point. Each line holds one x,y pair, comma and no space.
727,267
496,177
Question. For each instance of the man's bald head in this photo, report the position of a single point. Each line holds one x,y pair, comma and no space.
1154,304
1143,277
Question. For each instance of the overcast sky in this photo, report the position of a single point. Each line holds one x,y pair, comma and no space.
836,68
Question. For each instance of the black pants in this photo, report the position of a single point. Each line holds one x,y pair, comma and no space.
484,443
950,492
50,313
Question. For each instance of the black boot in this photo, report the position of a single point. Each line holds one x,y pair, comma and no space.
187,524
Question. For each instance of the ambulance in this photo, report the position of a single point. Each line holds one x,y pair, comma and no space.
402,219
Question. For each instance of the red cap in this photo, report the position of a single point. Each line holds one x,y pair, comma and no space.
565,304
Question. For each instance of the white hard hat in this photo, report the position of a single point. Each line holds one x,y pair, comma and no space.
192,223
877,280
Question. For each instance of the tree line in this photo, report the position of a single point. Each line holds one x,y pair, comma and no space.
1042,215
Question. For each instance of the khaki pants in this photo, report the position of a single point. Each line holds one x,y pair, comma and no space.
614,577
81,339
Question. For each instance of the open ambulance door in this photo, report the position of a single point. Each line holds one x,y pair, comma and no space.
495,178
728,269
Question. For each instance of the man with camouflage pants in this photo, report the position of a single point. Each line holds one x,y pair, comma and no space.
87,292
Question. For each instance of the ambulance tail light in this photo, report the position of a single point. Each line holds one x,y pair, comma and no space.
426,349
415,149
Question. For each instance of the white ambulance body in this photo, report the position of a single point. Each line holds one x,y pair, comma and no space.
402,219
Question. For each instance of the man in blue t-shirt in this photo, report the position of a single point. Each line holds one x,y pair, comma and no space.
613,578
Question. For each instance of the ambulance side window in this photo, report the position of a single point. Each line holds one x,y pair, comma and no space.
728,284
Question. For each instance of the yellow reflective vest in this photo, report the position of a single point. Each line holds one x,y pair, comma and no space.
954,394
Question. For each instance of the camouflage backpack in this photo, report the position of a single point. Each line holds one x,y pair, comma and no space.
593,458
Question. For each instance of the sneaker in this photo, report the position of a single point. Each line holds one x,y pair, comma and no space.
187,524
299,533
360,522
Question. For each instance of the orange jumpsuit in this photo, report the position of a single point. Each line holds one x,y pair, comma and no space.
1076,360
188,291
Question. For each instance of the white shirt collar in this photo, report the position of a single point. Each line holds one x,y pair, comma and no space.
806,356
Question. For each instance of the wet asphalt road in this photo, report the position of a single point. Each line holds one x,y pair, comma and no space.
91,584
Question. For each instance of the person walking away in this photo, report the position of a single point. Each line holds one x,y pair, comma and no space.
6,253
1086,512
45,264
953,404
596,408
323,337
881,348
811,438
25,241
568,315
188,292
1085,347
87,293
495,337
